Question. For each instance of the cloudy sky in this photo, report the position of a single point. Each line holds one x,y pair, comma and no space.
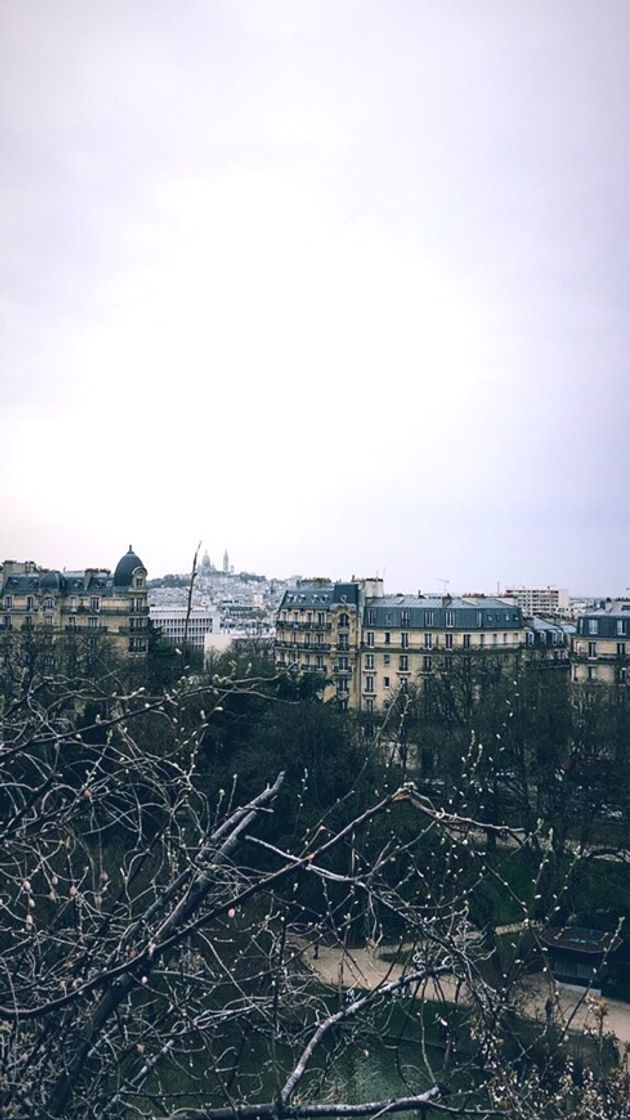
340,284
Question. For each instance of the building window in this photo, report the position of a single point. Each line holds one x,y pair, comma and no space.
319,662
621,627
369,661
590,672
479,618
369,638
342,685
307,641
448,641
404,641
74,603
369,684
482,639
428,618
72,623
49,620
404,618
427,663
592,649
450,618
343,663
139,581
495,639
371,617
388,638
386,682
505,639
428,641
344,622
621,649
343,641
592,625
49,604
466,641
28,621
403,663
30,602
8,602
385,659
7,622
95,603
93,624
369,705
321,618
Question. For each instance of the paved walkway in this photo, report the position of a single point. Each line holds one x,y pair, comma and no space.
365,968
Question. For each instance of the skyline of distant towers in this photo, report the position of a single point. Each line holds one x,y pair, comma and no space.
226,561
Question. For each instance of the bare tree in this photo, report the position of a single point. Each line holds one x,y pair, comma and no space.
157,946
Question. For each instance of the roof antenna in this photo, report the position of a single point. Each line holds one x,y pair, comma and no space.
444,582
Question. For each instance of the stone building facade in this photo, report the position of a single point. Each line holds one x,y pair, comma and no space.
368,645
92,602
601,644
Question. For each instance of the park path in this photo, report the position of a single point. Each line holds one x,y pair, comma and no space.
365,968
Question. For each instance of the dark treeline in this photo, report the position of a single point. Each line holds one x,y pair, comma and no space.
178,842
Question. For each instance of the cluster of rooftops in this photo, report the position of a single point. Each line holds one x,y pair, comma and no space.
401,611
28,579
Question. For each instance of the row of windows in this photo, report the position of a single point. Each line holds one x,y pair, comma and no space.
592,649
70,623
431,640
620,627
403,667
48,603
429,618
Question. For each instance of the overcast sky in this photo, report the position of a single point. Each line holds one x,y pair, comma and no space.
341,285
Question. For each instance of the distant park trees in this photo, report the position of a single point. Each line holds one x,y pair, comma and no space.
175,864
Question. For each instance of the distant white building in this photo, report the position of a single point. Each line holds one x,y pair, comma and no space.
540,600
171,621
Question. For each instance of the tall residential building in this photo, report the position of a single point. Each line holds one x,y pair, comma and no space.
540,600
88,602
369,645
601,644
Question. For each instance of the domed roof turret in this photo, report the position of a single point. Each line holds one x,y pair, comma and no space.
125,568
50,581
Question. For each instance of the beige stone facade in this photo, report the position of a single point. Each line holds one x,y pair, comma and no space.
368,646
601,645
90,603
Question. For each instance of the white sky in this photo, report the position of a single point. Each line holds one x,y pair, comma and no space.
341,285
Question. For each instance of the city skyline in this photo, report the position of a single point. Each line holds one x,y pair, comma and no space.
346,282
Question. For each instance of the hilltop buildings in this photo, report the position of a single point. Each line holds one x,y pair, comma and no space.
89,602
